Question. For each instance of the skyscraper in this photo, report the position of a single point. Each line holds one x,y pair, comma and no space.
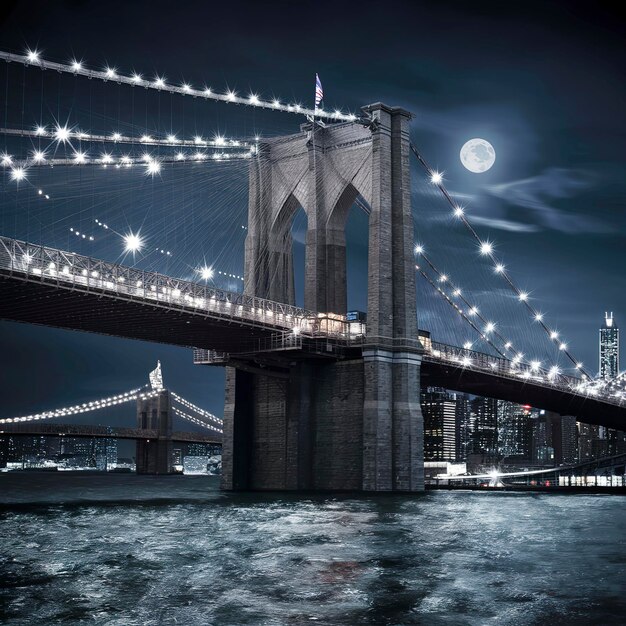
439,410
609,348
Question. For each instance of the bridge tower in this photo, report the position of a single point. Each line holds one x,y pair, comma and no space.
353,424
154,456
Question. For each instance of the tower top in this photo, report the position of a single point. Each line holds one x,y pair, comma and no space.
608,319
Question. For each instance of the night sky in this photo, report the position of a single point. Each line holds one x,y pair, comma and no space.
543,82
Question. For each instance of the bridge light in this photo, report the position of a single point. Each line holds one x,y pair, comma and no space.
499,268
40,130
458,211
32,55
18,174
77,65
62,133
579,366
116,136
554,371
106,158
522,296
206,273
473,311
486,248
39,156
110,72
419,249
146,138
180,156
207,91
132,242
443,278
436,178
467,345
276,102
465,361
172,138
539,317
563,346
231,95
137,78
153,168
253,98
159,81
186,87
490,327
535,365
456,292
80,157
554,335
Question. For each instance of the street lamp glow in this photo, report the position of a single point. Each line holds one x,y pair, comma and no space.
172,138
132,242
116,136
80,157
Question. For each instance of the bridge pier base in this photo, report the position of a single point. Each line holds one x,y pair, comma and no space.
325,426
154,456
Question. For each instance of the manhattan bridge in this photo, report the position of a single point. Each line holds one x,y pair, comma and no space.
318,396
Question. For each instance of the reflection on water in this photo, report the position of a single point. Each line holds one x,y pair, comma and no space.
126,550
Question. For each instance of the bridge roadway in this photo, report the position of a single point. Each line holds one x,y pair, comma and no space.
41,285
103,432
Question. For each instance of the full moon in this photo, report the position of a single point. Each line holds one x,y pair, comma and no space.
477,155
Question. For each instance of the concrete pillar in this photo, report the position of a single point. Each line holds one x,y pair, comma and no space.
392,419
154,456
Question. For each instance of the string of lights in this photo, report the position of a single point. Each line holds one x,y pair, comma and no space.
85,407
195,420
486,248
33,58
196,408
472,311
65,134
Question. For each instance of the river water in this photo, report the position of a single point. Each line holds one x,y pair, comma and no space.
135,550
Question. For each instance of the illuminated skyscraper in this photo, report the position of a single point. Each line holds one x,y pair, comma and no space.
609,348
439,410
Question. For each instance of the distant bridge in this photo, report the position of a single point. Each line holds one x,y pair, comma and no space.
102,432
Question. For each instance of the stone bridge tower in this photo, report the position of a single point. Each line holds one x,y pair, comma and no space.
350,424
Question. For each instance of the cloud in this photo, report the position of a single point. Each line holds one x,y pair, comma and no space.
510,225
540,193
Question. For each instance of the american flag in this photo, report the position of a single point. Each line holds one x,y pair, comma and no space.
319,92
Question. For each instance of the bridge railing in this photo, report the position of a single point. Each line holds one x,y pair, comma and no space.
69,270
473,359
